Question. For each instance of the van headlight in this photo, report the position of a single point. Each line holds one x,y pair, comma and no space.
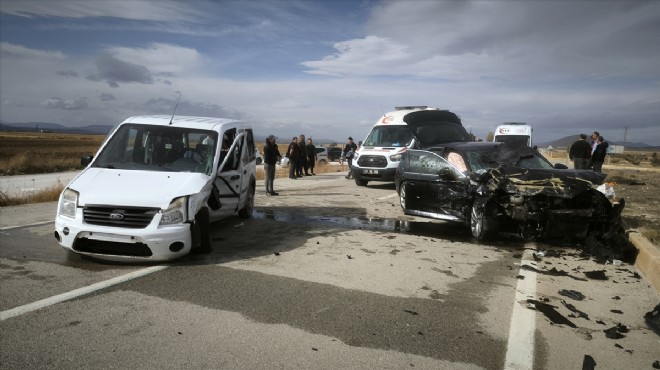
395,157
176,212
68,203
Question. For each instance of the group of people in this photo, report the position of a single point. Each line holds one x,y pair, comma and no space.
302,157
589,155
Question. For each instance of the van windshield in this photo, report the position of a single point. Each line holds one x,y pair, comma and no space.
389,136
514,140
159,148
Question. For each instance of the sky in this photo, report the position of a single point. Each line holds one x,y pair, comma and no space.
330,69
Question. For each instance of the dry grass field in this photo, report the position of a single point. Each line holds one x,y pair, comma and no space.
23,153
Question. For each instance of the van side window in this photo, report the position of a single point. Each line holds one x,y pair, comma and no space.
233,158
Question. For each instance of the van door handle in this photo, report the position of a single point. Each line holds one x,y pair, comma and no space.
235,177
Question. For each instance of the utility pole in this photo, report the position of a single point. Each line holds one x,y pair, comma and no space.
625,136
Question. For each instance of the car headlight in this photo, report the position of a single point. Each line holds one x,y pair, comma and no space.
68,203
396,157
176,212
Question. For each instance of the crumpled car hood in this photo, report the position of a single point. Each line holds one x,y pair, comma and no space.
551,182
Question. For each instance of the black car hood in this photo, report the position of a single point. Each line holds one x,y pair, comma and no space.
552,182
434,127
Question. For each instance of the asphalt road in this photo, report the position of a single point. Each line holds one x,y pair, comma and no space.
327,275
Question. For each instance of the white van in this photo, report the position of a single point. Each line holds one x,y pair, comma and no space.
514,133
154,186
395,132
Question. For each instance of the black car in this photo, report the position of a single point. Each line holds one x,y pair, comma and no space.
494,187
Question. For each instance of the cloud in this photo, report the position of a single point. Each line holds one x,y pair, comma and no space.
162,59
114,70
189,108
68,73
162,10
106,96
9,50
59,103
472,40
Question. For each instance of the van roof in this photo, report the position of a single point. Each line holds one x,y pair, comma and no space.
397,117
205,123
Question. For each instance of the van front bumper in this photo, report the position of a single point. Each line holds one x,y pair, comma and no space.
374,174
153,243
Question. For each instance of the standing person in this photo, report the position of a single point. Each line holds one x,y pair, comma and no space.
271,156
598,158
349,152
580,152
302,159
293,152
311,155
594,144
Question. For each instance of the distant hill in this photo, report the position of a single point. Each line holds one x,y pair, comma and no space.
567,141
55,127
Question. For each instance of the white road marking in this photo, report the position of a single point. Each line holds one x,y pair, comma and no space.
20,310
520,348
28,225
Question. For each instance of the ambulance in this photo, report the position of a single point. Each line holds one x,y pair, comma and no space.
406,127
514,133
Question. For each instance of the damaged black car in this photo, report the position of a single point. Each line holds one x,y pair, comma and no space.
493,187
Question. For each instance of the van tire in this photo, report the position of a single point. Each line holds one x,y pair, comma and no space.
248,208
201,238
360,182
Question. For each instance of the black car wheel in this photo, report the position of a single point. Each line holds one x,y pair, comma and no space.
483,223
361,182
402,195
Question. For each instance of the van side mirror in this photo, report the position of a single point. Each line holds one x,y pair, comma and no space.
560,166
86,160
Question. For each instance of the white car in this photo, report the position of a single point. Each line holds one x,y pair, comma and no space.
155,185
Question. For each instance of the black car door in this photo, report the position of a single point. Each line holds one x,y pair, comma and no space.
440,188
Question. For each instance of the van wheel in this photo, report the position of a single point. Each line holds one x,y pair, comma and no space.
361,182
201,238
248,208
402,195
483,222
258,161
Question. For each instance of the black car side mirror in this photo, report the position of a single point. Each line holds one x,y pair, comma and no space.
560,166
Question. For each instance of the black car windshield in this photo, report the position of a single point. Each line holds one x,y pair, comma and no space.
389,136
159,148
484,160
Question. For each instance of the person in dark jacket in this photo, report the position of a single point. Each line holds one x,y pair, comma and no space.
311,156
302,169
271,156
349,152
580,152
293,153
598,158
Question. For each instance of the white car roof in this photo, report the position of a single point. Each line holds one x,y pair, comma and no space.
205,123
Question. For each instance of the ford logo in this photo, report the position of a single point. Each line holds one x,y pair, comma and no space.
116,216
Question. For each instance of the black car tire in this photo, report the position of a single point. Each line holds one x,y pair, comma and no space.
246,211
258,161
402,195
483,222
359,182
